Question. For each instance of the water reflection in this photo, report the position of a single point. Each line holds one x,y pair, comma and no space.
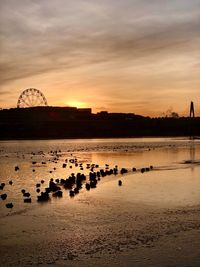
192,151
163,154
192,155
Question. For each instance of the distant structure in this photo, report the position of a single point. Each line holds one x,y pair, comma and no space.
31,98
192,110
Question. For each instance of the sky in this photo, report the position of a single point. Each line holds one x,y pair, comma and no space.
136,56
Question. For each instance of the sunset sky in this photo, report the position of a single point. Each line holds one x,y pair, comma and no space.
137,56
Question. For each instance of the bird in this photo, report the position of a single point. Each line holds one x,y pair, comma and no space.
27,200
119,182
26,194
9,205
3,196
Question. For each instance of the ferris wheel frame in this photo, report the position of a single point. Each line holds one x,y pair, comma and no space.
31,97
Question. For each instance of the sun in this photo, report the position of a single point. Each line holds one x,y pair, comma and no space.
75,103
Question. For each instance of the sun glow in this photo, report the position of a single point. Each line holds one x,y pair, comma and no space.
76,103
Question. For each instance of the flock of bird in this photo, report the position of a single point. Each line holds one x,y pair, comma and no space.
73,183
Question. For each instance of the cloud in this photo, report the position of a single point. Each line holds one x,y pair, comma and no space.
125,44
41,36
4,92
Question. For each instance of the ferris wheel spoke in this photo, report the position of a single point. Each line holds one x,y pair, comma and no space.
32,98
33,102
41,103
36,102
27,104
29,100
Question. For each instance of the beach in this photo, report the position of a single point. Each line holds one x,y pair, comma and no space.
152,219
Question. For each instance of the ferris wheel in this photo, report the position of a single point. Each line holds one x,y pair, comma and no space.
31,98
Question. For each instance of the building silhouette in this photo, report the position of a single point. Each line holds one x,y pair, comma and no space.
192,115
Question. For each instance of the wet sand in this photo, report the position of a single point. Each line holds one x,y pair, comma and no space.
137,236
153,219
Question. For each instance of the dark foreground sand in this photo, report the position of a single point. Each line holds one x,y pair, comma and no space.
167,237
182,249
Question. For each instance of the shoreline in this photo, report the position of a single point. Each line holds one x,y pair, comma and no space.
185,137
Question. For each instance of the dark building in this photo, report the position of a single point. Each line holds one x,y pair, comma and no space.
72,122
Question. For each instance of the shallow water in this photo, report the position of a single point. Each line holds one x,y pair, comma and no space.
174,179
91,220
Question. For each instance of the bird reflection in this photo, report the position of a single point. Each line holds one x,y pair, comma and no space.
192,154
